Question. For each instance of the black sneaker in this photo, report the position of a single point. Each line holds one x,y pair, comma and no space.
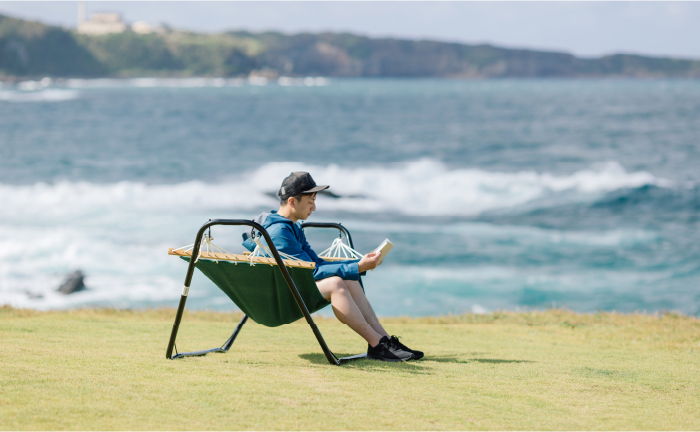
386,350
416,354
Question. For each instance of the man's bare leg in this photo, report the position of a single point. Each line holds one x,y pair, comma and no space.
366,308
358,295
346,310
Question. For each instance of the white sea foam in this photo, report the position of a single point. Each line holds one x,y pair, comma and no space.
147,82
46,95
429,188
154,82
424,188
188,82
308,81
118,233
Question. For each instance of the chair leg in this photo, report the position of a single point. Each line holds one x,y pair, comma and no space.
351,358
224,348
227,345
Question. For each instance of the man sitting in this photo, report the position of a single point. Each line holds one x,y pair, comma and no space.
338,281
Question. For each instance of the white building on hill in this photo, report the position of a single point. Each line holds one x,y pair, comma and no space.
108,22
102,23
142,27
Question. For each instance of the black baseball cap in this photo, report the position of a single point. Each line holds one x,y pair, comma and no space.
298,183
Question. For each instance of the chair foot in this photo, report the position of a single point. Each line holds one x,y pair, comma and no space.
198,353
351,358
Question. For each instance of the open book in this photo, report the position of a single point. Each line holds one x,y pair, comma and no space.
384,249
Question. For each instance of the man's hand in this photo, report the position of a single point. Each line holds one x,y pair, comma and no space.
369,261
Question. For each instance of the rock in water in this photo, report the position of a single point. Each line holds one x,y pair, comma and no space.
73,283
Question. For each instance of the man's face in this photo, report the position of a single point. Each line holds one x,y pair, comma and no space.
304,207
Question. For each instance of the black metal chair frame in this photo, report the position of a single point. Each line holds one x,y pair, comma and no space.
332,359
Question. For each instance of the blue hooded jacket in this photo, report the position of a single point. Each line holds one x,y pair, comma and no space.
289,238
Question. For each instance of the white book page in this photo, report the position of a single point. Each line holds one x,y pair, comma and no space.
384,249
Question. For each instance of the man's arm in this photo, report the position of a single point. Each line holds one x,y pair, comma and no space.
347,270
285,241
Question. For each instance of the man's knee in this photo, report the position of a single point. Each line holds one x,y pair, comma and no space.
339,286
334,284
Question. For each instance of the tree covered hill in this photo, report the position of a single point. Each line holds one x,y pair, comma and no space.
32,49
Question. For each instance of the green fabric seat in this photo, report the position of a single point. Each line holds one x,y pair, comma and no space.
261,292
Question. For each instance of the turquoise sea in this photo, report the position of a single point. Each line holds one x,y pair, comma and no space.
498,194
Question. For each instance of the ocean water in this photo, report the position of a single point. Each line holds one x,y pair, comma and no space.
504,194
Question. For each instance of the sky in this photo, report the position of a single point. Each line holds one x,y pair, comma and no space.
585,29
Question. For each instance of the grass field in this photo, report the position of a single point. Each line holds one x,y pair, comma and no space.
106,369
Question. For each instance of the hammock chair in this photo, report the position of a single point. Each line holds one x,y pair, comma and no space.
270,287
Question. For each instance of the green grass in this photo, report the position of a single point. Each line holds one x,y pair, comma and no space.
106,369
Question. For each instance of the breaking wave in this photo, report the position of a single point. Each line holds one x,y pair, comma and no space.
430,188
423,188
195,82
47,95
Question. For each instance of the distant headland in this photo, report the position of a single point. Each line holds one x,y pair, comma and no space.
30,49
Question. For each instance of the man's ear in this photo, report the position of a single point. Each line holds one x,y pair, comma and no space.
291,202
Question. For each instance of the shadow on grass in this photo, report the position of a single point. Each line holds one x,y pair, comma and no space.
607,373
455,359
499,361
412,367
